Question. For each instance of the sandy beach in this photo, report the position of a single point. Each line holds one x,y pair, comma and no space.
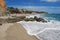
14,31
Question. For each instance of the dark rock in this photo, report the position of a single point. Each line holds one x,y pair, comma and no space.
31,19
0,23
39,19
15,19
26,19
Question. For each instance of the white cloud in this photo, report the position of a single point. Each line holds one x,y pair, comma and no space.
51,0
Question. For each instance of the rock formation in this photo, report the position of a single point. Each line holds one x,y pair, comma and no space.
2,7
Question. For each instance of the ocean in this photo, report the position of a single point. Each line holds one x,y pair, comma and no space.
52,17
44,31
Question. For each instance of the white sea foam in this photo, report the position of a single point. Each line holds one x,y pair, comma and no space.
43,31
37,15
37,28
49,34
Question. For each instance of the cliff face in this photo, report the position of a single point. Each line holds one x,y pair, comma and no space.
2,6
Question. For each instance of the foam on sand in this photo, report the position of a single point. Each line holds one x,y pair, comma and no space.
38,28
49,34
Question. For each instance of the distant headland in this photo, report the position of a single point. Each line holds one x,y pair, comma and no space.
13,10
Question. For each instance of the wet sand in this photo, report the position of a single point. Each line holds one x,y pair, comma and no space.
15,31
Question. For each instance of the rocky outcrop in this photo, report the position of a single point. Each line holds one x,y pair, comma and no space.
35,19
11,19
2,7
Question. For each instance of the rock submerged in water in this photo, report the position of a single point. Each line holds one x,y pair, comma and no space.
29,19
39,19
35,19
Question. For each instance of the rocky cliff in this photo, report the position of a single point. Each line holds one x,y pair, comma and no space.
2,7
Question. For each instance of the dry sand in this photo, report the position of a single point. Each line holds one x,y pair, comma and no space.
14,31
3,29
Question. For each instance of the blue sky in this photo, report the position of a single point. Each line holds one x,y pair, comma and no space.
51,6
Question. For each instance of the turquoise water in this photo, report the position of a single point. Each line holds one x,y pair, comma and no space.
52,16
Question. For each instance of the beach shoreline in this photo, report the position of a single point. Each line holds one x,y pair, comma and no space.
37,28
14,31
